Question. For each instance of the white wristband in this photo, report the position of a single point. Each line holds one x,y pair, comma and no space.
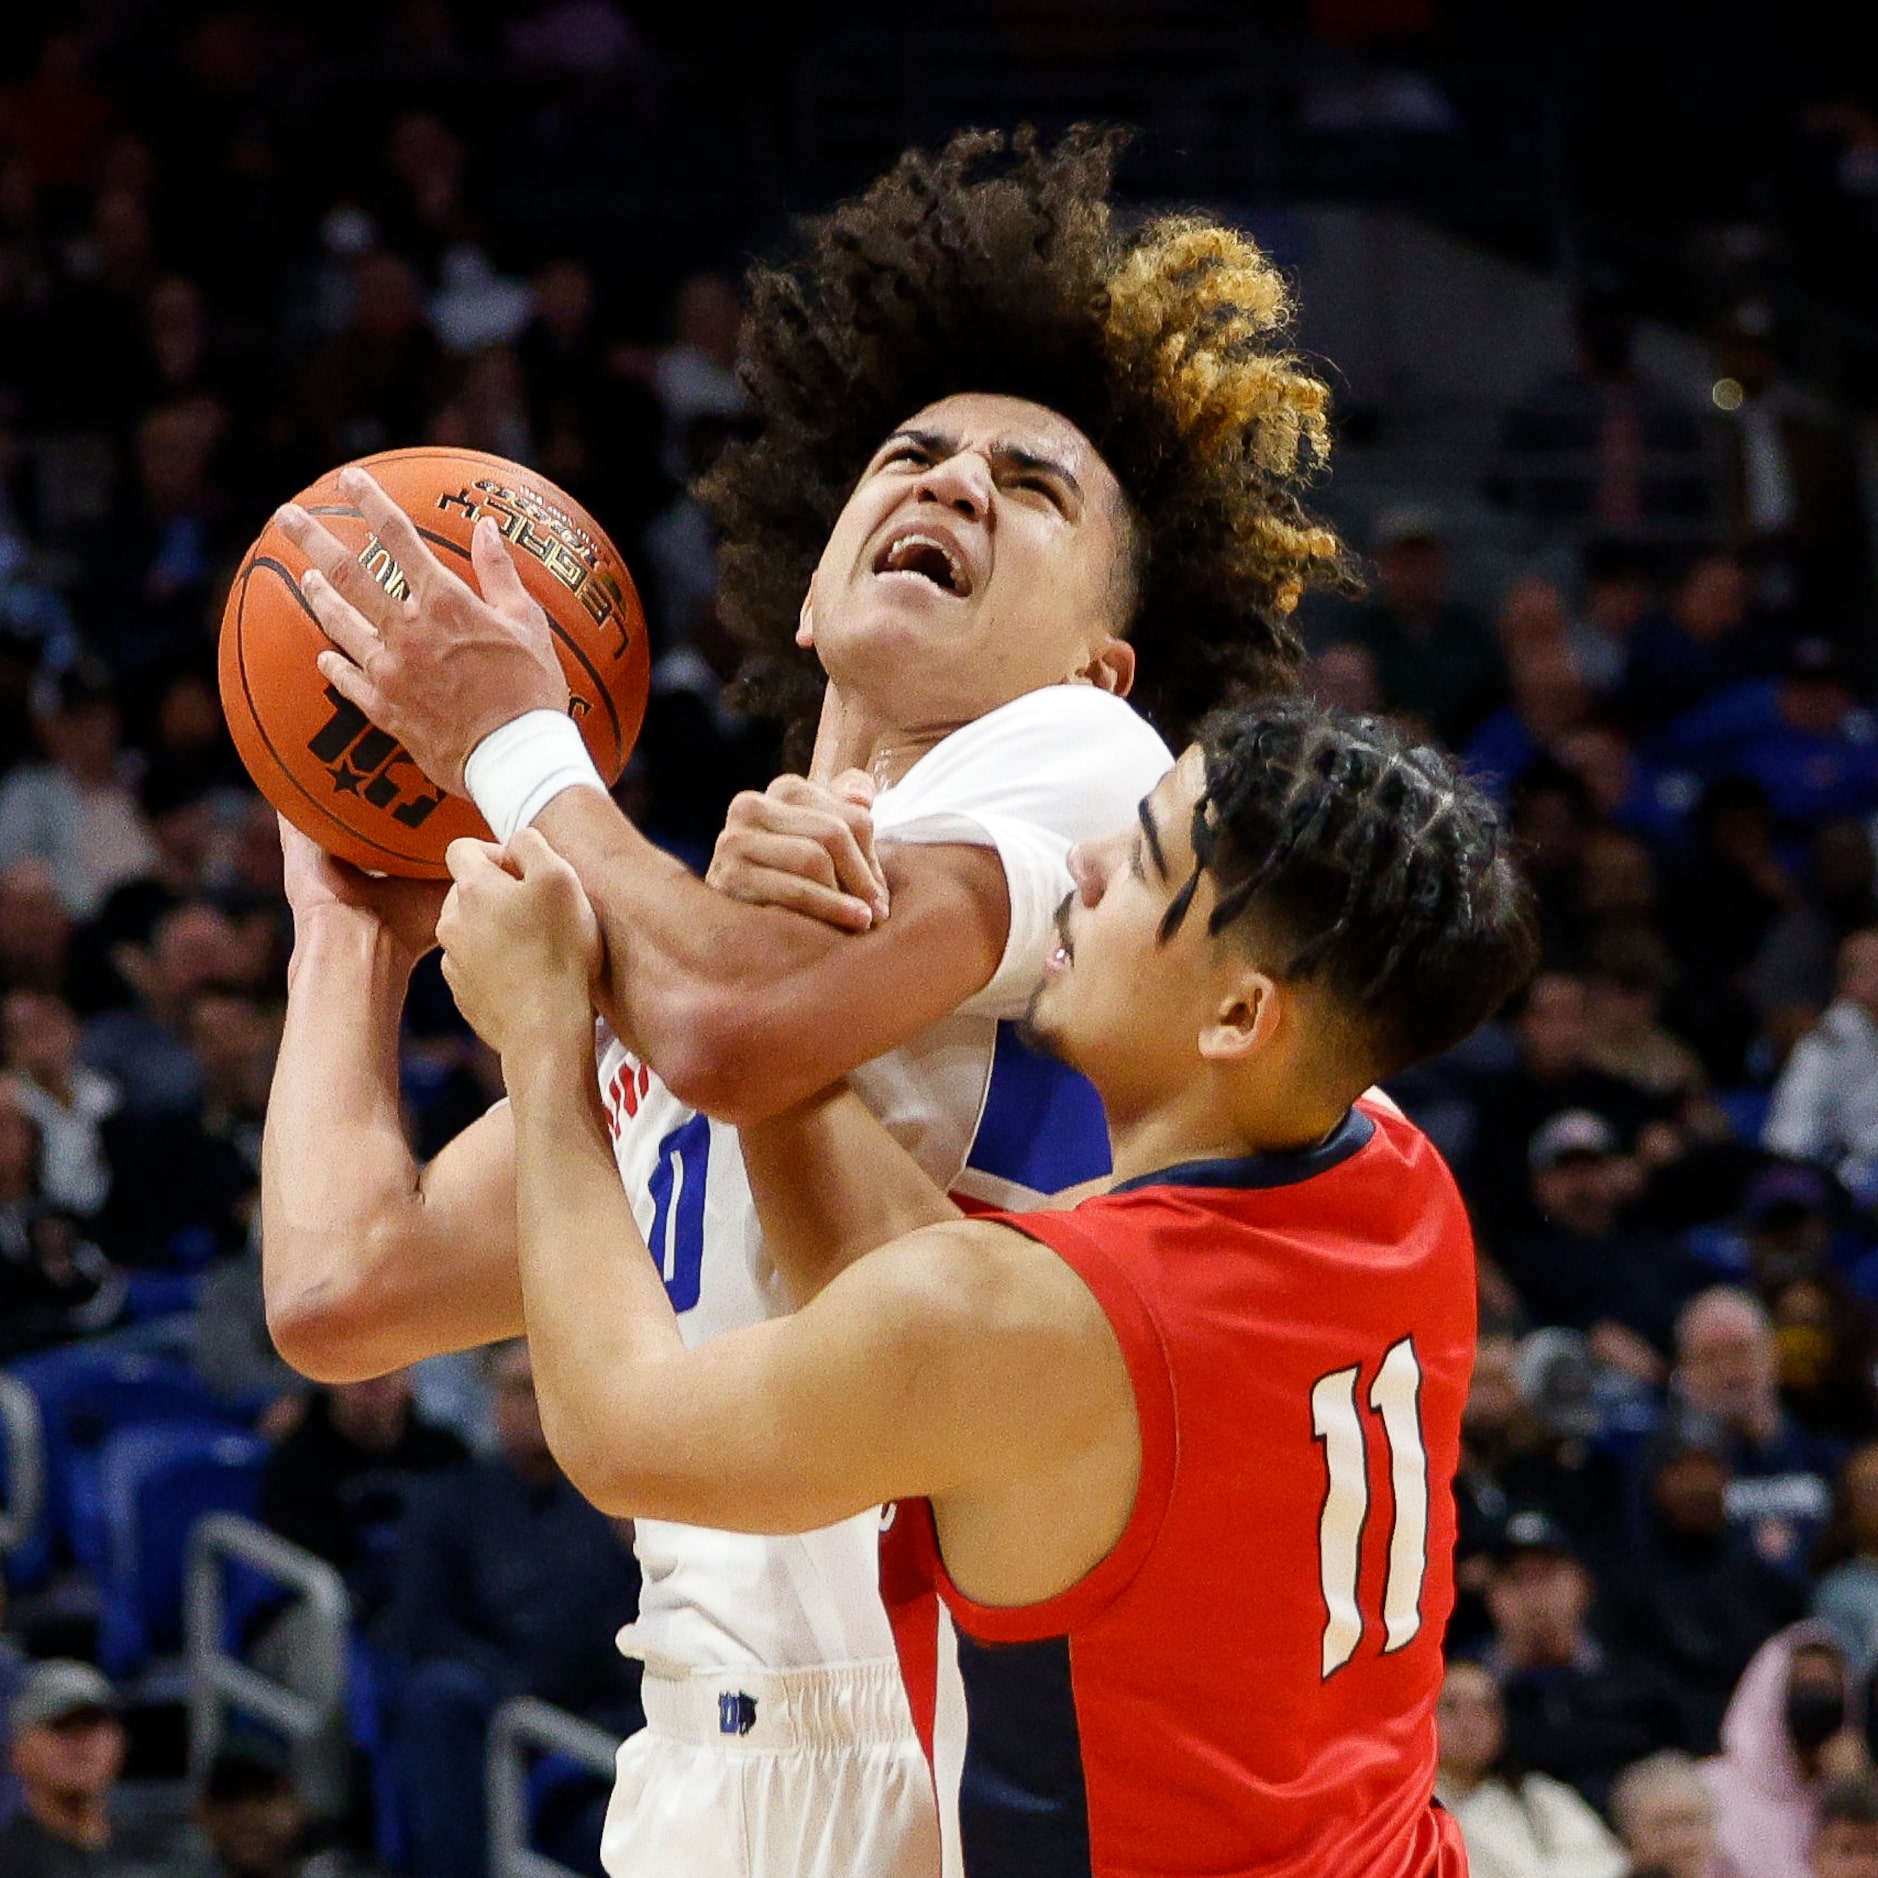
515,772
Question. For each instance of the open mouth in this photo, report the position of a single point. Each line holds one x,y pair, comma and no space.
920,556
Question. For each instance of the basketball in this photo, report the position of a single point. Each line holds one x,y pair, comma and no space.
316,757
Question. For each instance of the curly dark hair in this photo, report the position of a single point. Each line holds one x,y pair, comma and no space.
1382,872
995,265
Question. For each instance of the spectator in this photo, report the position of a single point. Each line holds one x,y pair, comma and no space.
1732,884
1630,972
1665,1816
253,1824
67,1747
1549,700
1690,1594
1573,1710
341,1483
1793,972
1825,1106
151,574
1436,659
1626,790
1614,604
54,1284
145,1050
1550,1074
1728,1367
69,1101
1515,1825
1846,1842
1525,1442
1785,1739
509,1583
74,811
1845,1599
1699,647
1581,1267
375,383
35,928
1802,736
188,1183
1343,674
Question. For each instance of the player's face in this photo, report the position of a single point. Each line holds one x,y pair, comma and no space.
1119,1002
985,552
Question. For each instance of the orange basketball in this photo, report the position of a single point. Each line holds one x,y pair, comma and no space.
316,758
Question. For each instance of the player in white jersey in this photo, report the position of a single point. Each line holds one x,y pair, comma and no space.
1090,446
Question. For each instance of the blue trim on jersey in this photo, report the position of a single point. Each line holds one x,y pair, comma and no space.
1042,1125
1350,1136
1023,1803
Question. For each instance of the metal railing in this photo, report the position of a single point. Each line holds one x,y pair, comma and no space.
23,1433
313,1704
523,1728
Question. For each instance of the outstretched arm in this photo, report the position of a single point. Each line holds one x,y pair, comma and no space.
953,1363
728,1002
370,1262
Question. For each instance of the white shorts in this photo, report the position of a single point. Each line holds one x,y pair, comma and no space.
806,1773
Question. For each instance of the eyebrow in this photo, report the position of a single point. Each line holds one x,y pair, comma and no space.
937,443
1152,834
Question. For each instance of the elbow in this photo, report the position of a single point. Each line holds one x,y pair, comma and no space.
601,1471
320,1332
327,1327
729,1065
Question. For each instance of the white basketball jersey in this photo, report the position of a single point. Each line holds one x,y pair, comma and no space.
982,1115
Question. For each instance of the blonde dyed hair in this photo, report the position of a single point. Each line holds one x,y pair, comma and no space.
998,264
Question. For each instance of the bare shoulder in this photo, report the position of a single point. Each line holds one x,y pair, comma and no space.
985,1278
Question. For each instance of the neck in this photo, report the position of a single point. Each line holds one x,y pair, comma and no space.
78,1817
1459,1782
853,734
1199,1129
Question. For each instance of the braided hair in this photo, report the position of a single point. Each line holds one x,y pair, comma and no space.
995,265
1375,868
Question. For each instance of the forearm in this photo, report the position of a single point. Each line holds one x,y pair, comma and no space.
730,1002
598,1320
362,1272
831,1184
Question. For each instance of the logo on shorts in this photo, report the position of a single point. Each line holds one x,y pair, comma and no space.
736,1713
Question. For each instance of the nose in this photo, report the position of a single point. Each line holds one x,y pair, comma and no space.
960,482
1088,871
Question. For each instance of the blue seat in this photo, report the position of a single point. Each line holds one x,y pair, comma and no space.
157,1482
87,1392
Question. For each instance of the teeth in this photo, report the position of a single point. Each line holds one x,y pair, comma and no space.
902,553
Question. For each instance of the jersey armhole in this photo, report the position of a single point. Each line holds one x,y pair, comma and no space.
1152,1378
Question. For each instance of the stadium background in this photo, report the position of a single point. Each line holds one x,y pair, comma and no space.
1594,286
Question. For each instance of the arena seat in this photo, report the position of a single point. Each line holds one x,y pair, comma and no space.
156,1482
86,1392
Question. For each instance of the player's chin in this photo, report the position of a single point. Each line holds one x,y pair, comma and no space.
1044,1025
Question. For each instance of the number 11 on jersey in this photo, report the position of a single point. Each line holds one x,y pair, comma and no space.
1395,1398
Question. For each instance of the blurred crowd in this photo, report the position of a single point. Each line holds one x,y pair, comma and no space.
1664,1654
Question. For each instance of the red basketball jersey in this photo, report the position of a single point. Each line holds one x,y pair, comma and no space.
1247,1683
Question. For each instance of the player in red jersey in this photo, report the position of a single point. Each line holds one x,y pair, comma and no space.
1186,1449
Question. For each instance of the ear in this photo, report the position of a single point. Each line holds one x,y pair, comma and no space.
1112,669
805,621
1245,1020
